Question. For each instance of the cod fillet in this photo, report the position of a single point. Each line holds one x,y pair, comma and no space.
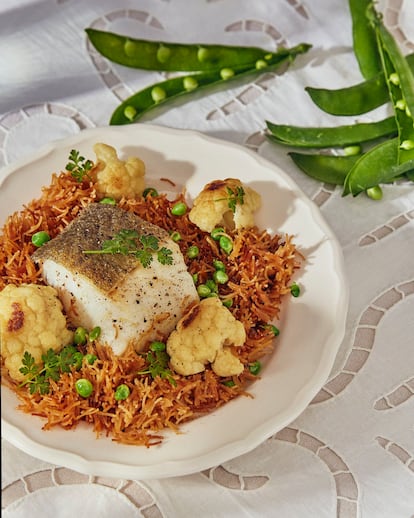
130,303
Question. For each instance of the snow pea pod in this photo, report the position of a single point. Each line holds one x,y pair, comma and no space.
325,168
376,166
337,136
356,99
161,55
133,108
364,39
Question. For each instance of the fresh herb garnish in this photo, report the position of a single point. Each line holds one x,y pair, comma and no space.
78,165
54,364
234,197
130,242
157,359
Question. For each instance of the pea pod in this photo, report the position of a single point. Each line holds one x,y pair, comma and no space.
400,83
376,166
364,39
336,136
325,168
356,99
133,108
161,55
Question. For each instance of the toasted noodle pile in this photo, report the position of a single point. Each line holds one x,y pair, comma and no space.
259,268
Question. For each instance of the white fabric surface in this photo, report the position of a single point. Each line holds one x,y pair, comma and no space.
351,453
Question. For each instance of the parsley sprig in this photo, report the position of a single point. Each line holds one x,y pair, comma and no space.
234,197
157,360
53,365
130,242
78,166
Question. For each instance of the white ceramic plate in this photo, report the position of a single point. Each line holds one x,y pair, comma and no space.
312,325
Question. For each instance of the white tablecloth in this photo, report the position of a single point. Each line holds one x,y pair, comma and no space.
351,452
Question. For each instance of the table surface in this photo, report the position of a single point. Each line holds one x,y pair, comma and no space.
351,452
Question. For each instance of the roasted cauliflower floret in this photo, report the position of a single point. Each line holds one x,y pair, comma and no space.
116,178
226,203
204,335
31,319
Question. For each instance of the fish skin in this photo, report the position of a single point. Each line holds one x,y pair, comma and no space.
131,304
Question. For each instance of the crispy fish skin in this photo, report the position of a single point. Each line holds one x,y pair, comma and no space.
131,304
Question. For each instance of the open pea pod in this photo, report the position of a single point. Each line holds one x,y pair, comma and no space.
325,168
336,136
376,166
161,55
159,94
400,84
356,99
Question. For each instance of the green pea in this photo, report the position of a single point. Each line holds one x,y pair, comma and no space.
273,328
394,79
157,346
108,201
130,112
179,209
216,233
375,193
260,64
80,336
149,191
228,303
84,387
163,54
295,290
407,145
190,83
212,285
91,358
255,367
203,290
226,244
226,73
130,48
122,392
220,277
401,104
158,94
40,238
95,333
219,265
352,150
193,252
195,278
175,236
229,383
203,54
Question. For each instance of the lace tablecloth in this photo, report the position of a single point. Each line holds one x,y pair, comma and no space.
351,452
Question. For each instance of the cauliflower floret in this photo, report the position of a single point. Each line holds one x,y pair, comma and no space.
226,203
31,319
117,178
204,335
